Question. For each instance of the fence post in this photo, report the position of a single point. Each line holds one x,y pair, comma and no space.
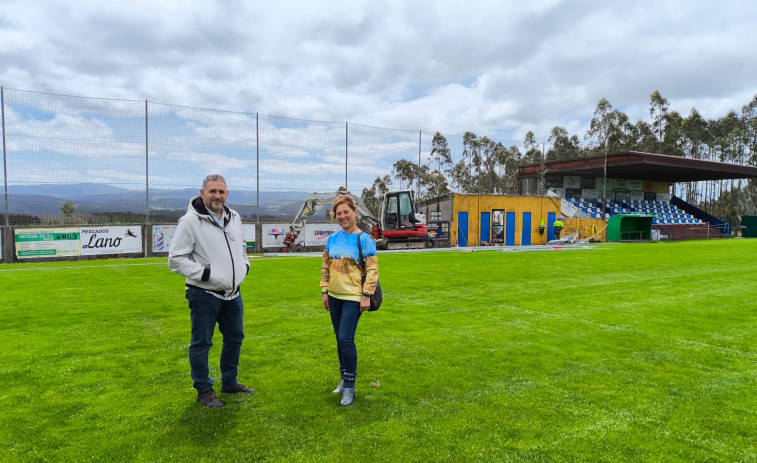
147,168
418,183
257,167
5,165
6,251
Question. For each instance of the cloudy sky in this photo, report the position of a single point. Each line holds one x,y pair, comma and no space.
491,67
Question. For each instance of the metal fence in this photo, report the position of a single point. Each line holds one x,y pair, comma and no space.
145,158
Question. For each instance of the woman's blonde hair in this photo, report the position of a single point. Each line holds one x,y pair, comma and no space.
344,199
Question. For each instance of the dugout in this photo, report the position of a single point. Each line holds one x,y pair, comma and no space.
628,227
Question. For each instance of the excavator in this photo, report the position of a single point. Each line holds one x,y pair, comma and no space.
398,227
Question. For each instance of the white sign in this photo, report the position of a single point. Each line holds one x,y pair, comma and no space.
47,242
316,234
162,235
621,184
111,240
567,209
663,197
634,185
274,234
637,195
558,191
249,233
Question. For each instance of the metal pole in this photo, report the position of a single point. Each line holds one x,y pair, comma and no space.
418,196
5,165
346,145
147,168
604,189
257,166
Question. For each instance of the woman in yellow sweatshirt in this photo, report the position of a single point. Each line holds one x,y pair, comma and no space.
343,292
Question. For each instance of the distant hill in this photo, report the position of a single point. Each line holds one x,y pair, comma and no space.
47,199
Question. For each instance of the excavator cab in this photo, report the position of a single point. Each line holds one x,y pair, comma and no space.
399,212
401,226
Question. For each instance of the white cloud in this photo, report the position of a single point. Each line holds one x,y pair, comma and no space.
494,68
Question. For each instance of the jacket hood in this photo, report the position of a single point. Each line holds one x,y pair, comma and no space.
197,207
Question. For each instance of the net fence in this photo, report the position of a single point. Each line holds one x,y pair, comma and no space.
79,160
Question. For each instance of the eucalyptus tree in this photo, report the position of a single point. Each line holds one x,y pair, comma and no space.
564,146
658,110
372,196
472,152
644,139
609,129
533,154
405,171
440,152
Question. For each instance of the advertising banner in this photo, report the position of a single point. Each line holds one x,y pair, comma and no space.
663,197
249,234
571,181
634,185
161,237
637,195
439,232
316,234
274,234
601,185
47,242
111,240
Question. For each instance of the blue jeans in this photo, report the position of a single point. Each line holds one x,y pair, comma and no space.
344,318
205,310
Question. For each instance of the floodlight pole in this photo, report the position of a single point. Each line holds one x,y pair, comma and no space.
418,183
346,152
257,166
147,167
5,166
604,190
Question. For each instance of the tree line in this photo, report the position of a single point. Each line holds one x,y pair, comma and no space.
486,166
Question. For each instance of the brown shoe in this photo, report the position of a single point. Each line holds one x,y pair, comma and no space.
209,399
238,388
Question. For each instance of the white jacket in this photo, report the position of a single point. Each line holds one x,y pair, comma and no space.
210,257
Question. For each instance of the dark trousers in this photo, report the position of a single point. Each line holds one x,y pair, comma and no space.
557,232
205,310
344,318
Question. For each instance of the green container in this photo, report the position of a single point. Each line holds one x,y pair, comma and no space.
750,222
629,227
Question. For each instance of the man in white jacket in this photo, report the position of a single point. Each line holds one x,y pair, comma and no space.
209,249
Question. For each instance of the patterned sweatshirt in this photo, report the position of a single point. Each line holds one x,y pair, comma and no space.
341,275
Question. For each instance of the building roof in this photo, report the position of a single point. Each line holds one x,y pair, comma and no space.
644,166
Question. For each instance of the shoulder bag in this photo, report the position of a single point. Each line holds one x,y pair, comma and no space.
377,296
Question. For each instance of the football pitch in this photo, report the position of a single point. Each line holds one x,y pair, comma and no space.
624,352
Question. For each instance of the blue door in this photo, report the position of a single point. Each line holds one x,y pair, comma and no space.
486,227
462,229
550,230
525,234
510,229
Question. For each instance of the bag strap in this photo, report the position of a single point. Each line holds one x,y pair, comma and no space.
360,253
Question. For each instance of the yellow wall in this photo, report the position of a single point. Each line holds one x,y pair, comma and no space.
586,228
539,207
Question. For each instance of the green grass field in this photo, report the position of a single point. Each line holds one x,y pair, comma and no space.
628,352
